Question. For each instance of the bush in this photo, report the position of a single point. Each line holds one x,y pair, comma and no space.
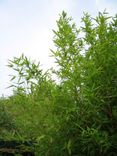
77,114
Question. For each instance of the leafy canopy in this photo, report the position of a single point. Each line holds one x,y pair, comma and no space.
78,115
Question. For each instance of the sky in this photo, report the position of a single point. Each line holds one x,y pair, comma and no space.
26,27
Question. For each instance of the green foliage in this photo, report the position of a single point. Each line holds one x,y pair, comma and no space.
78,115
28,73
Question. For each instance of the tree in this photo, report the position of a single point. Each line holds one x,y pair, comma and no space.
78,115
87,68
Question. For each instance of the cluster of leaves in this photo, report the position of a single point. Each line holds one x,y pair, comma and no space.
78,115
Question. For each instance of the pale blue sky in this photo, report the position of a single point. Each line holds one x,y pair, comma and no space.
26,27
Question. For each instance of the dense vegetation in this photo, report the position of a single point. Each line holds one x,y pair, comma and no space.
76,114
